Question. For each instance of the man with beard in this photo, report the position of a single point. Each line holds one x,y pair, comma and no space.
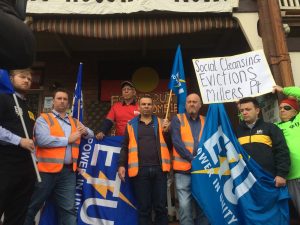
16,165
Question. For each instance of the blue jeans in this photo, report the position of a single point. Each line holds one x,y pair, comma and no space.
150,189
187,204
60,186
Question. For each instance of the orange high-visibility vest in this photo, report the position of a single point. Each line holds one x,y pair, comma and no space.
179,163
133,160
51,160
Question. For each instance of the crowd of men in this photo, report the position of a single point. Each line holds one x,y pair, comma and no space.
149,142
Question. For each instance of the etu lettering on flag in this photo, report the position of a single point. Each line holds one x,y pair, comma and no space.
230,186
101,197
177,81
77,106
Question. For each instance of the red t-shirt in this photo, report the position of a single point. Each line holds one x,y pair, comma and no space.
121,114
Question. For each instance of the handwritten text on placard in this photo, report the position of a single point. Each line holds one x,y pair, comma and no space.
228,79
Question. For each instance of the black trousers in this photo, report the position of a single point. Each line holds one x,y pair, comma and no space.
17,43
15,194
150,189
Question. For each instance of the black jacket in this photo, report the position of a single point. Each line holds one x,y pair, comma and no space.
14,7
14,159
16,39
266,144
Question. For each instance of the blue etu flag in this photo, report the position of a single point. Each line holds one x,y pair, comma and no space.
177,81
77,107
5,83
230,186
101,197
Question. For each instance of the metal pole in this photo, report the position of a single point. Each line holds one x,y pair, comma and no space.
27,136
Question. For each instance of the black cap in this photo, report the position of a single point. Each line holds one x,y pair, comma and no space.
128,83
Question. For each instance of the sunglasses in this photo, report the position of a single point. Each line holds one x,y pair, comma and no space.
286,108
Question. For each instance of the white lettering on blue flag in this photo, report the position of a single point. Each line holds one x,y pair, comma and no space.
229,185
110,150
99,202
101,196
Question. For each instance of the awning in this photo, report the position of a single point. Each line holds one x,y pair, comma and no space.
132,28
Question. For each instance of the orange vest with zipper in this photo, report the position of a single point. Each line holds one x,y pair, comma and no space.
51,160
179,163
133,160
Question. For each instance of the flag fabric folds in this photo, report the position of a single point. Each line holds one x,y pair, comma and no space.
230,186
49,214
5,83
177,81
77,106
101,197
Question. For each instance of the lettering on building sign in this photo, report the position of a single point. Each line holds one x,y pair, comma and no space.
127,6
98,1
160,103
202,1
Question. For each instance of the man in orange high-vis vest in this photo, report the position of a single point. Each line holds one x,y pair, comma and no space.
186,130
145,152
57,137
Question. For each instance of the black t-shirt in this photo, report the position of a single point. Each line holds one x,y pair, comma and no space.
14,158
148,145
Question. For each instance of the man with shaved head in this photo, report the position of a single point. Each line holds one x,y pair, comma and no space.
186,131
145,155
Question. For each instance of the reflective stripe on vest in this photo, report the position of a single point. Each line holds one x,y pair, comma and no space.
133,161
179,163
51,160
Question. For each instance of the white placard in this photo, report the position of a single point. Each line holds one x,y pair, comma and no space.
127,6
228,79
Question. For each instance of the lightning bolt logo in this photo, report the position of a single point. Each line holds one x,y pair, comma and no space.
102,185
216,170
